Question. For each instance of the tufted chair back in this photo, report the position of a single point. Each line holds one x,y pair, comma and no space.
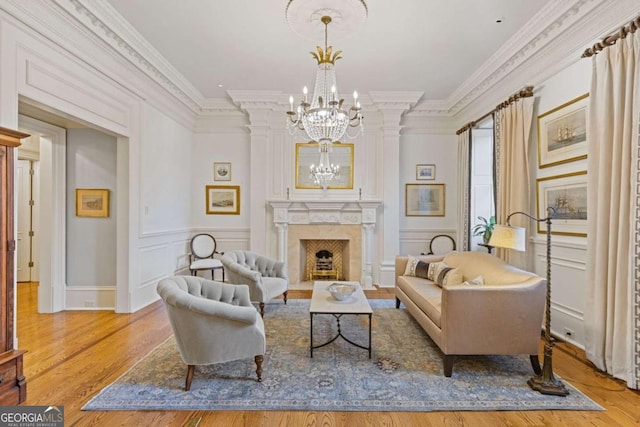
267,267
266,277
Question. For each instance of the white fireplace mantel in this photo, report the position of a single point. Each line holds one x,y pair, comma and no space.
341,212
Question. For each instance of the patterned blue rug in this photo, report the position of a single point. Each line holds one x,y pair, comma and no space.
404,373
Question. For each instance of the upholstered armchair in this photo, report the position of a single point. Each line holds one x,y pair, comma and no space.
267,278
213,322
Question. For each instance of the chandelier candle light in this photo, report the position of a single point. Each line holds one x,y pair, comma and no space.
324,119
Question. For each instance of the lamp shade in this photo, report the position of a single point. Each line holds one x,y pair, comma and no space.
508,237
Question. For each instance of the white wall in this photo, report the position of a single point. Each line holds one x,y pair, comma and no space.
568,253
441,150
165,173
91,242
231,231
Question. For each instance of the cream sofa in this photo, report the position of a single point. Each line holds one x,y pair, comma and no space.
501,316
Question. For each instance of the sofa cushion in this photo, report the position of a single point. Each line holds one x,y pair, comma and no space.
494,270
424,293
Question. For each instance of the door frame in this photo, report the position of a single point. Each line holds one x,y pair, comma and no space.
52,248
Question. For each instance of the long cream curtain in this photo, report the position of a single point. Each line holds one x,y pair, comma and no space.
513,133
612,319
463,194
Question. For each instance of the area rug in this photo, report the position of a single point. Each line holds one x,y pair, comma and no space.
404,373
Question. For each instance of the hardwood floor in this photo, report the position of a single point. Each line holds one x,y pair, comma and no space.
73,355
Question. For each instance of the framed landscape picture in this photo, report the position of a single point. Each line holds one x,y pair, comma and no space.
92,202
426,172
424,199
223,199
222,171
562,133
567,194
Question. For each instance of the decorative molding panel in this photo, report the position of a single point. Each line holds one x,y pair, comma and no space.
154,263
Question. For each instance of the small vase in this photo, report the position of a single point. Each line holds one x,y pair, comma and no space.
486,237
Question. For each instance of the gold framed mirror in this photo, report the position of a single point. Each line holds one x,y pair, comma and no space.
308,154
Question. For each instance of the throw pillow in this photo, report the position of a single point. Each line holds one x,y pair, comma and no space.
442,275
422,269
416,267
411,266
453,277
477,281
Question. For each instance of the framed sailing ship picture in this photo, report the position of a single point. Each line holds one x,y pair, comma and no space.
567,194
562,133
424,199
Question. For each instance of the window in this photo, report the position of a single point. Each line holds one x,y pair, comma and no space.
481,178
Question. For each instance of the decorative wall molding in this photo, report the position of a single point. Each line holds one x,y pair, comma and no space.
557,46
550,26
104,21
555,18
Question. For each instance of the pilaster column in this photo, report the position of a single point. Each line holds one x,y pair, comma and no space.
367,258
258,105
282,242
260,132
369,218
392,105
281,222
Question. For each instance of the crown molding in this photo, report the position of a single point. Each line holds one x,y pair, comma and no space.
408,98
106,23
555,19
552,25
552,58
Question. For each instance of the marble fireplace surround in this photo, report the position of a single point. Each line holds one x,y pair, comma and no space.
355,221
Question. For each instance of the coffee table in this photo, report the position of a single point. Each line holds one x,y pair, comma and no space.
323,303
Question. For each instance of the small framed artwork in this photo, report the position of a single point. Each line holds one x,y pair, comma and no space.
562,133
567,194
222,171
424,199
426,172
92,202
223,199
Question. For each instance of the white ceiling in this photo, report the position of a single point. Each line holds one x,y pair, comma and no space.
431,46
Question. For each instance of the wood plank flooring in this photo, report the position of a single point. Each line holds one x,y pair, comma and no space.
73,355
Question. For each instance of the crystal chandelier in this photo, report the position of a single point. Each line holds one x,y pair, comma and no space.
325,171
324,119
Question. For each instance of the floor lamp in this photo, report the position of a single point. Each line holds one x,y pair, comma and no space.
509,237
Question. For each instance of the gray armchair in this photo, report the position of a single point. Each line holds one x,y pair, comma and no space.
267,278
213,322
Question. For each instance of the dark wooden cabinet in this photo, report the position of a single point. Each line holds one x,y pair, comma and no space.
13,385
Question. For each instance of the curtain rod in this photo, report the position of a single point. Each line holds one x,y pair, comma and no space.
610,40
523,93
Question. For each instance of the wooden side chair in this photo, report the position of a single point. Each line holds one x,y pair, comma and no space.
203,248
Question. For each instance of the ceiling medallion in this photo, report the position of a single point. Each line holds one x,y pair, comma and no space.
305,17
